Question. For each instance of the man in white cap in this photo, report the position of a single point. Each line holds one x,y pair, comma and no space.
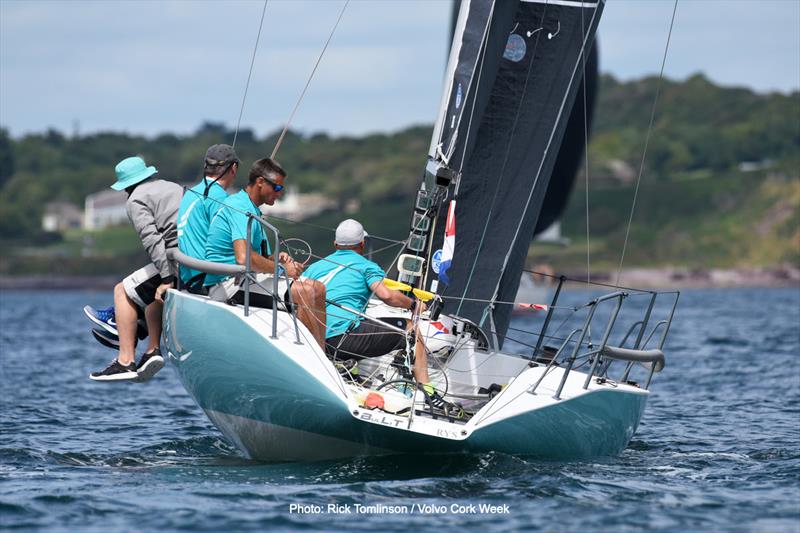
350,280
152,207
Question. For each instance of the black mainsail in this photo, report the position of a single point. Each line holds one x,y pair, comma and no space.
496,141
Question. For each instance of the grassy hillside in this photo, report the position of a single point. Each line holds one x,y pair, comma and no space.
720,186
753,220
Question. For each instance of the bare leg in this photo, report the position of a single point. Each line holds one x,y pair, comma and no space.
125,311
310,297
420,360
152,315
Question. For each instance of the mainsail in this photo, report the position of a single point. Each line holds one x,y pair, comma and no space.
499,136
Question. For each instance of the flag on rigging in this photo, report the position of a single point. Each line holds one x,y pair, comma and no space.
449,242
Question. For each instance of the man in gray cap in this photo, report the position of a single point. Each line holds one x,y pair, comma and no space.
199,205
152,207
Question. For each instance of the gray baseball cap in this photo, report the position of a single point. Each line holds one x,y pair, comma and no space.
349,233
220,154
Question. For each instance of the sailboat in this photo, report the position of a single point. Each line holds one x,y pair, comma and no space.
513,75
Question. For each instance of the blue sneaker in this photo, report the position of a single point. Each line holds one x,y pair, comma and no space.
104,318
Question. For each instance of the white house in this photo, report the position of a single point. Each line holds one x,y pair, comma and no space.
104,209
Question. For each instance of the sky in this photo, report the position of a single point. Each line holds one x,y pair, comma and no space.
149,67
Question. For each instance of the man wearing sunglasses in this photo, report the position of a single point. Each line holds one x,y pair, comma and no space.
227,243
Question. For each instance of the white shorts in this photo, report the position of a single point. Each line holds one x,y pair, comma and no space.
232,290
141,285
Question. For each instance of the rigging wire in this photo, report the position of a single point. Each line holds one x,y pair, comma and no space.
586,165
308,82
474,101
647,140
249,74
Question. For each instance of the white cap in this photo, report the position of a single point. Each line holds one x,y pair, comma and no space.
349,233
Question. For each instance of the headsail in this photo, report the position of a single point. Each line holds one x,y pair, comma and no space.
508,135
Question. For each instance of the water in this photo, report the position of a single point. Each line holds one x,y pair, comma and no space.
719,447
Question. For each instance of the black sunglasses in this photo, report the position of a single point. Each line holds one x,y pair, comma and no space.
275,186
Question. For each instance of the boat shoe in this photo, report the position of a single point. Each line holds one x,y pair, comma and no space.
116,371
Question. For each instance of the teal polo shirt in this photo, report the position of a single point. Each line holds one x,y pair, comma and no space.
229,225
347,277
194,217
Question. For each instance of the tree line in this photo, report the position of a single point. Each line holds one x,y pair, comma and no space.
700,128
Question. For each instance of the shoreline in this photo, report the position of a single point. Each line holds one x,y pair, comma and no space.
643,278
686,278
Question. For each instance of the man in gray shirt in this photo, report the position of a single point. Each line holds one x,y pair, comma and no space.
152,207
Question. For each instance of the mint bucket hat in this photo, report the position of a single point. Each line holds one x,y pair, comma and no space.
131,171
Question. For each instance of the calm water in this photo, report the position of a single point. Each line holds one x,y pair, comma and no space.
719,447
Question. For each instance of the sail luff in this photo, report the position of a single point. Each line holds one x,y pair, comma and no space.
452,62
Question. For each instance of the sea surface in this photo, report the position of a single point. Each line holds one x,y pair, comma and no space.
718,449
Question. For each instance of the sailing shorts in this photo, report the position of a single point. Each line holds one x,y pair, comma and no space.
369,339
141,285
231,290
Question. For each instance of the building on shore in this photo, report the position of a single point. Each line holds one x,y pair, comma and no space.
107,208
103,209
61,216
295,205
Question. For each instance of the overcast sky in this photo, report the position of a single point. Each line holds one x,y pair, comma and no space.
167,66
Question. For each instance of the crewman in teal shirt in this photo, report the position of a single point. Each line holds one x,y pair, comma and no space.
228,225
350,280
227,243
199,205
348,277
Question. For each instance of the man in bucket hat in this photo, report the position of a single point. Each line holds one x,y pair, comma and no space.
152,208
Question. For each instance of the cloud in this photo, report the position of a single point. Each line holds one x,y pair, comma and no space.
157,66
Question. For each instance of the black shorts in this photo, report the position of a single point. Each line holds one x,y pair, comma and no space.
369,339
258,299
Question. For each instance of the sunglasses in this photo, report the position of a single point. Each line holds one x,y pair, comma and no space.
275,186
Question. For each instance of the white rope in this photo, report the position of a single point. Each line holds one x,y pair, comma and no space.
308,82
647,141
249,74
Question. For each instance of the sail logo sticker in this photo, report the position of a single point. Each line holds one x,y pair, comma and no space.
458,96
436,261
515,48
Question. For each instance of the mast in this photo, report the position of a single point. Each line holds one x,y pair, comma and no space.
480,36
512,79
